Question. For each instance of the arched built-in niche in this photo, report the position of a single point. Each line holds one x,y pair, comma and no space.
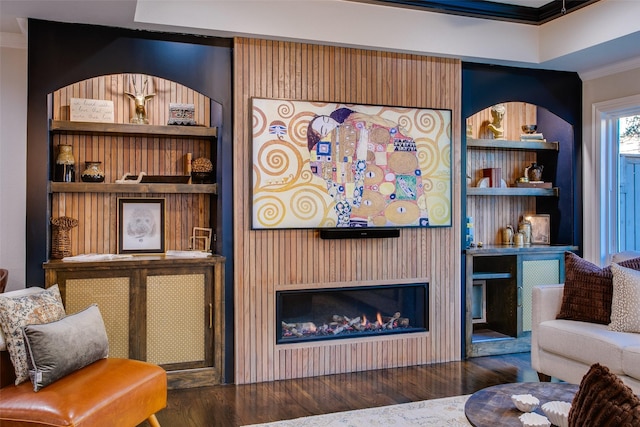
511,156
153,154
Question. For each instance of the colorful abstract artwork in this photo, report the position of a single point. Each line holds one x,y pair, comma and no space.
328,165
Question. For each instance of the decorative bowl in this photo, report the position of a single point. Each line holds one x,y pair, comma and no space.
529,128
557,412
200,177
531,419
525,402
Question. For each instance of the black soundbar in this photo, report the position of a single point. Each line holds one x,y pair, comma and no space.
358,233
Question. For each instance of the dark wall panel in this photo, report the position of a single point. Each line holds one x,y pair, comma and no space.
60,54
558,92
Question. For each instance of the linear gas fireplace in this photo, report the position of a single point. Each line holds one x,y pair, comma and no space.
323,314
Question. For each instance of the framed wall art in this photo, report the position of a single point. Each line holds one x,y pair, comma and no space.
330,165
540,226
141,227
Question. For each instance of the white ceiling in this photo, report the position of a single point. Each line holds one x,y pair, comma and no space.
582,41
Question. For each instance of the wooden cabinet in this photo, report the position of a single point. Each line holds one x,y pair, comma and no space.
164,310
499,281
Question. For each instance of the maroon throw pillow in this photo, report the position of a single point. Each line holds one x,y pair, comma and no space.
603,400
588,289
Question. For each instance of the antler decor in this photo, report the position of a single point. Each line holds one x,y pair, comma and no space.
140,100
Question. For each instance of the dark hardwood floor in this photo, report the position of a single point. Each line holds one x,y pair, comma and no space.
238,405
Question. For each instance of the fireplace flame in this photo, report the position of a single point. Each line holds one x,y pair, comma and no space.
341,324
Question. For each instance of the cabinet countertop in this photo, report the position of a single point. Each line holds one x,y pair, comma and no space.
515,250
140,260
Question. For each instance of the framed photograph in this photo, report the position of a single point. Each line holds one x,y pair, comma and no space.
540,225
330,165
141,228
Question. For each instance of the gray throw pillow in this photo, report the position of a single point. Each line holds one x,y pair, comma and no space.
59,348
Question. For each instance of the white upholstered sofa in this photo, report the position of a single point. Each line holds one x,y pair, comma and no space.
565,349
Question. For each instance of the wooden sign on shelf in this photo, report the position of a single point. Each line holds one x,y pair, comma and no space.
91,110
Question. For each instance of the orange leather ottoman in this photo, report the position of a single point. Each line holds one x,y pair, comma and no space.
110,392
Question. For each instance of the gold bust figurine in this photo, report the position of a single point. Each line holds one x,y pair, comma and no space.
497,113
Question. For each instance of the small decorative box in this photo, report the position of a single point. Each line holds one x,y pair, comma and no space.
181,114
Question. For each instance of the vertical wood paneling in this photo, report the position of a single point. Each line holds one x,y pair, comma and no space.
97,212
271,260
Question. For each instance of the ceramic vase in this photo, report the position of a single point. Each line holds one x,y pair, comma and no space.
93,172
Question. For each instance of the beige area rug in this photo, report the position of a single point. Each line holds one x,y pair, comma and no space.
446,412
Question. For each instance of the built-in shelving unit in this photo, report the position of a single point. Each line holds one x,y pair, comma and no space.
160,153
499,277
158,149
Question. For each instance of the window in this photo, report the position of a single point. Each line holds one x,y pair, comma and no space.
609,201
629,183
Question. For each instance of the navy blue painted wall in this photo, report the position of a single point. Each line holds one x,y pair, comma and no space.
559,96
61,54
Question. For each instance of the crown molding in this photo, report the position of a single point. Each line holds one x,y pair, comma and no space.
492,10
618,67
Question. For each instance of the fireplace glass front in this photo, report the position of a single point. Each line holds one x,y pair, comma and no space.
321,314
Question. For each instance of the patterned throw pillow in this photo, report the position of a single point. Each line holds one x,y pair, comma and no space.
588,289
17,312
625,305
603,400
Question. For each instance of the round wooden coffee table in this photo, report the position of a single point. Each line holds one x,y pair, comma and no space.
492,406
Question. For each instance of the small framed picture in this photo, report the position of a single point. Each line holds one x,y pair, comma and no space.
141,225
540,225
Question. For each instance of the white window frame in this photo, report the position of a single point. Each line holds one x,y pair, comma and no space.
600,178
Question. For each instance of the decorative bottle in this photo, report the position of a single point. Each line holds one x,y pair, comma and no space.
65,169
534,172
525,228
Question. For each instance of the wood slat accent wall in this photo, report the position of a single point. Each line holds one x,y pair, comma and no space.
491,214
97,212
270,260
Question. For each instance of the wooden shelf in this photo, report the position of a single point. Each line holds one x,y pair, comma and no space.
84,187
487,276
504,144
512,191
127,129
